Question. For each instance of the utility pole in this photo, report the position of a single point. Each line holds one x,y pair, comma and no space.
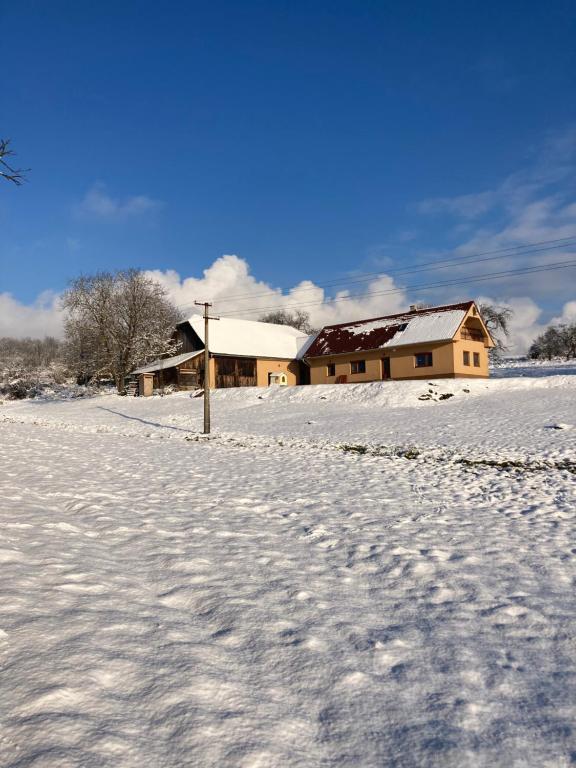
207,317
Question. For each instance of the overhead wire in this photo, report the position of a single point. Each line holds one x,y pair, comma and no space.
525,250
493,276
491,255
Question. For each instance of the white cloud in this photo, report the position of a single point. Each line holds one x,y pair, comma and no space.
227,283
525,323
97,203
468,206
42,318
233,290
553,165
531,206
568,315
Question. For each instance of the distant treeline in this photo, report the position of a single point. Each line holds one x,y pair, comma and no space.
29,365
27,355
556,341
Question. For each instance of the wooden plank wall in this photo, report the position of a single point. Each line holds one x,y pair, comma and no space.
235,372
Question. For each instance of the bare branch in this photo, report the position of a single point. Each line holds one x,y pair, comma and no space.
7,171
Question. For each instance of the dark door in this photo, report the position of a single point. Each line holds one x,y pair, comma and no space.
386,368
235,372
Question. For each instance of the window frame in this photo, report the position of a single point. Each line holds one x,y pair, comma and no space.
476,359
330,367
429,360
360,367
466,358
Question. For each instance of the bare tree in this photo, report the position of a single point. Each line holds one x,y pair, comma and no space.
497,320
115,322
298,319
15,175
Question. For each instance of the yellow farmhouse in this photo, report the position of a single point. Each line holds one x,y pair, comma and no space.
243,353
450,341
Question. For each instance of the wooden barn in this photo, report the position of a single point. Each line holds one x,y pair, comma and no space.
243,353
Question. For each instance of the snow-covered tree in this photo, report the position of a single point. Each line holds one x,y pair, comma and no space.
27,365
115,322
556,341
568,338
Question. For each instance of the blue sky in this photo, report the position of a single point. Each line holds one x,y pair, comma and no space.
312,139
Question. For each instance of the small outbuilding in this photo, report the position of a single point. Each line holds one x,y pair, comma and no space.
449,341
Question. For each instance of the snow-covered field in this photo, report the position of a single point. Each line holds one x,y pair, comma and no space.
338,576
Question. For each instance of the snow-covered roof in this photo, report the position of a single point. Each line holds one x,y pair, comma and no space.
167,362
249,338
419,326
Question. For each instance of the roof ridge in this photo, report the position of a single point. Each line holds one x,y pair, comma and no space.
245,320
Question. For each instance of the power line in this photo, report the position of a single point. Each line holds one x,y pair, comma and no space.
492,255
415,270
493,276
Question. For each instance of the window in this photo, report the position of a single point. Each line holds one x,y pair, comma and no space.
358,366
466,358
331,369
423,359
471,335
476,359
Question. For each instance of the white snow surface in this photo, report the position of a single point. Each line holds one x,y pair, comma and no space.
439,326
321,582
229,336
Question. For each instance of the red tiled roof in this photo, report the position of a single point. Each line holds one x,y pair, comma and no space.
350,337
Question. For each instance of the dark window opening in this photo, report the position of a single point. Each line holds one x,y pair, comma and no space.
358,366
423,359
331,369
466,358
476,359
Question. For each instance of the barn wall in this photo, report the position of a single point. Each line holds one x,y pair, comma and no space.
234,371
165,377
264,367
211,369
